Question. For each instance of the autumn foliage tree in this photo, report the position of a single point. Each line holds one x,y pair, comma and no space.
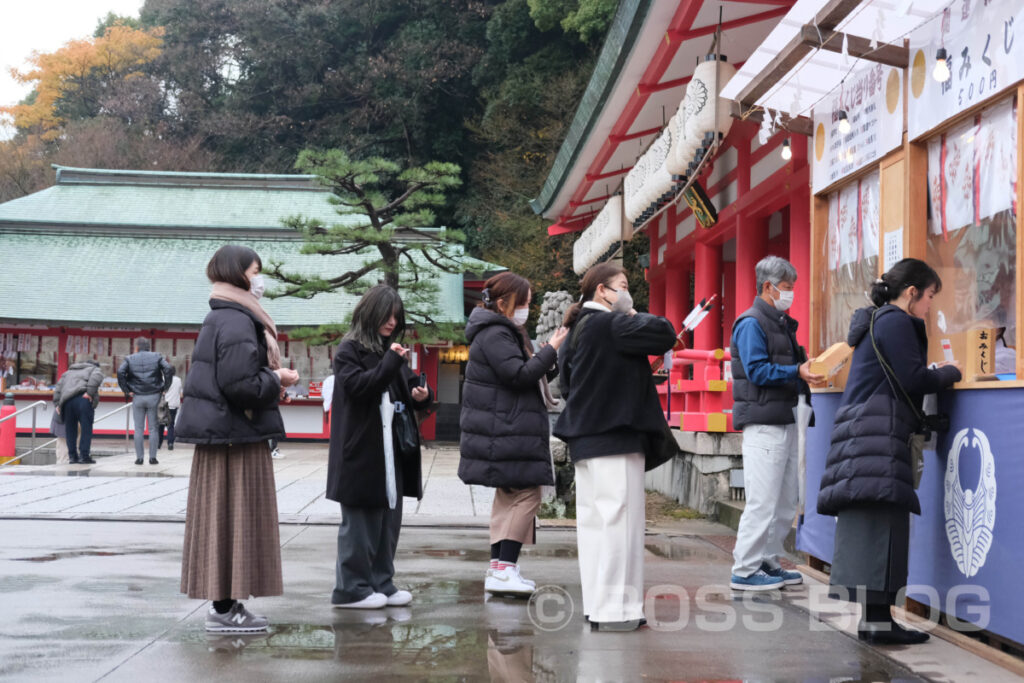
77,80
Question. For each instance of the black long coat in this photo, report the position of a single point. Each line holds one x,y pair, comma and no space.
869,457
355,466
505,440
231,394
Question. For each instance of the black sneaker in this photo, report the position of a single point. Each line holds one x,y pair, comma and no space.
86,461
138,461
889,633
154,461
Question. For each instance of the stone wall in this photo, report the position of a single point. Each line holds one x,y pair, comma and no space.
699,476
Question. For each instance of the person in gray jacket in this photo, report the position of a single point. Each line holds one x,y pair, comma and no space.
75,399
145,376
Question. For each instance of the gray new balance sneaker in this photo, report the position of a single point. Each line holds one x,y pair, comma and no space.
236,620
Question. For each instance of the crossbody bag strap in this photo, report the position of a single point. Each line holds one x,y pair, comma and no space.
890,374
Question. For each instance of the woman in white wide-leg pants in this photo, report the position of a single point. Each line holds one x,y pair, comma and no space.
612,413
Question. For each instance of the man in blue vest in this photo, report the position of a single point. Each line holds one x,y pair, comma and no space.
770,371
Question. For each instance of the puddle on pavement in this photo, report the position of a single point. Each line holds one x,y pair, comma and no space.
15,583
484,554
52,557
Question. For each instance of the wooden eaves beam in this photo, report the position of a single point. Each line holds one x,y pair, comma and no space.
890,55
827,19
800,125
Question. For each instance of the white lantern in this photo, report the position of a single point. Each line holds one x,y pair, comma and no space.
708,79
683,146
631,191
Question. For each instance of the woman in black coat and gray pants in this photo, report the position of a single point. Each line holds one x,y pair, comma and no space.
505,440
868,483
366,471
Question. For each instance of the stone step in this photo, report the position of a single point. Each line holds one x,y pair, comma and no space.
728,512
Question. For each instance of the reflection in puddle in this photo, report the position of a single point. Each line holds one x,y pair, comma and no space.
80,553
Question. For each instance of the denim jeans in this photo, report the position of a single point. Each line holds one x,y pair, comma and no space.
76,412
144,406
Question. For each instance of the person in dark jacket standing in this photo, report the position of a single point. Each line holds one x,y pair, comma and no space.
366,473
611,416
505,440
75,399
144,376
770,371
232,547
868,482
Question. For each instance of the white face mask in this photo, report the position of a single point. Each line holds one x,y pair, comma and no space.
257,286
784,301
624,302
520,315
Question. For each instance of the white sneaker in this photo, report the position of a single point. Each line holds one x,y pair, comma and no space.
530,582
399,599
276,454
371,601
507,582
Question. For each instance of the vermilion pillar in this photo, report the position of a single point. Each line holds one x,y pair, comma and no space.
707,265
677,294
656,298
751,247
800,257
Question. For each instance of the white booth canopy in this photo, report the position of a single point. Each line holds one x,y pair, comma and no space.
797,89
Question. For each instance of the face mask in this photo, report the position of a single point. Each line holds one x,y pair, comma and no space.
624,303
257,286
520,316
784,301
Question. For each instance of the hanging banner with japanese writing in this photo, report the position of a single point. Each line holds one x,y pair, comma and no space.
984,57
872,99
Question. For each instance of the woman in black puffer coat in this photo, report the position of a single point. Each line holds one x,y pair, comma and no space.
232,548
868,483
504,423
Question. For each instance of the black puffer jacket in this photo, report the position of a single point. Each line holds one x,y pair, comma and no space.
505,439
145,372
869,458
355,467
230,394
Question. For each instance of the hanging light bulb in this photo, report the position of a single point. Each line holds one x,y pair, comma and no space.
787,151
844,122
941,70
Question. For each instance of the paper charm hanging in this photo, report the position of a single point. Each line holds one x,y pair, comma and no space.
765,131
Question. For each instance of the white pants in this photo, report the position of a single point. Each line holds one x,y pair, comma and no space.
771,483
610,518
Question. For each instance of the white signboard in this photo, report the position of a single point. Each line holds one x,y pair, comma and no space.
985,44
873,101
598,241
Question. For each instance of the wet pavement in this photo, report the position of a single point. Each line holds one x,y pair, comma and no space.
117,488
98,600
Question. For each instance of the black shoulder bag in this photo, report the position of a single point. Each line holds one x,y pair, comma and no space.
926,423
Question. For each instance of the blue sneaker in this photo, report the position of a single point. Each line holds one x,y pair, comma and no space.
788,578
758,581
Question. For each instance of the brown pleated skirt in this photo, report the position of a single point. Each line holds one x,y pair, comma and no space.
232,544
513,515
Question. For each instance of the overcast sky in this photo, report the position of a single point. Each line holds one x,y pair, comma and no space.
43,26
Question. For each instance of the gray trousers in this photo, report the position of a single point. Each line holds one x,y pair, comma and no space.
367,540
143,406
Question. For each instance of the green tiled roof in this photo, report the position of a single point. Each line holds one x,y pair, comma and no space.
220,201
79,278
618,45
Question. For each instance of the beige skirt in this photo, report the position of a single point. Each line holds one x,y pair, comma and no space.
514,513
232,544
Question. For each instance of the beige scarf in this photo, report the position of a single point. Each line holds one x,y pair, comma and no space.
226,292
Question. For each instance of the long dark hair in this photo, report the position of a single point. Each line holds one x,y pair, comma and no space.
502,286
910,272
372,312
601,274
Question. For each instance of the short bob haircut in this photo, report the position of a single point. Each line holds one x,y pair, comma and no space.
230,263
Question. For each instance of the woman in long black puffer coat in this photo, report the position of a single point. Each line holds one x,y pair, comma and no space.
868,483
505,427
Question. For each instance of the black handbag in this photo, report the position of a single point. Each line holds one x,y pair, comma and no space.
659,447
406,432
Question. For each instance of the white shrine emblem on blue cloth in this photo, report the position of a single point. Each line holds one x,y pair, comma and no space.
970,514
